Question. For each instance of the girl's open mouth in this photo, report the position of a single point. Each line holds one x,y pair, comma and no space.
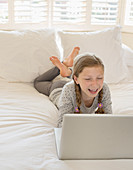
93,91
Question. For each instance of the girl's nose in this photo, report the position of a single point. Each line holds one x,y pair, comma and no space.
94,82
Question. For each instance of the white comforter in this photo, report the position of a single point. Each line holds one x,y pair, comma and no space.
27,119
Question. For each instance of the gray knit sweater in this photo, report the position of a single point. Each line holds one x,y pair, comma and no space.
65,100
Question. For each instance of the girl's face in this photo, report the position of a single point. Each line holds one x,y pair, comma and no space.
90,81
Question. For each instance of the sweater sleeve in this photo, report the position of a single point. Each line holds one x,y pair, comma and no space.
65,103
107,103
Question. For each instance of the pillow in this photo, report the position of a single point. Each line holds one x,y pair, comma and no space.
128,59
105,44
128,55
25,54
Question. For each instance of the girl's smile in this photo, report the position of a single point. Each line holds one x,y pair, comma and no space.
93,91
90,81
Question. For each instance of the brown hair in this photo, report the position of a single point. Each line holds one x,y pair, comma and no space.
80,62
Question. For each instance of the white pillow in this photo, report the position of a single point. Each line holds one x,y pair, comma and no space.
128,59
105,44
25,54
128,55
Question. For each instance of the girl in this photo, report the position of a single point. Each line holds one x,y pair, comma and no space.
85,93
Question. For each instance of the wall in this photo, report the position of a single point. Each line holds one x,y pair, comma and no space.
127,38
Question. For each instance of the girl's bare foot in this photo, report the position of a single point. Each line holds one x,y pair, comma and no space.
64,70
69,60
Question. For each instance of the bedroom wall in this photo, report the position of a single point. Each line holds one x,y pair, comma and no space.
127,38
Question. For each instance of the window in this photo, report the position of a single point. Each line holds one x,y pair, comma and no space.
129,13
66,14
69,11
104,12
34,11
3,11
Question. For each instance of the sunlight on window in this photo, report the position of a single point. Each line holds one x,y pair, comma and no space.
69,11
66,14
3,11
104,12
34,11
129,13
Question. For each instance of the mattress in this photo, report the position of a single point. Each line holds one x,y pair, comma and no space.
27,120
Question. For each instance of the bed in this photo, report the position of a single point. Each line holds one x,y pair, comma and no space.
27,117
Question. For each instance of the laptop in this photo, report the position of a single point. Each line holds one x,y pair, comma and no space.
95,136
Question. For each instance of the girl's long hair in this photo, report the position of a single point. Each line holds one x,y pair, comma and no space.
80,62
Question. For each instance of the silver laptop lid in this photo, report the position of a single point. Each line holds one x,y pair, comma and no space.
94,136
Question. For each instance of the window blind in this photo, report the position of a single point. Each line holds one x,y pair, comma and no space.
30,11
3,11
129,12
104,12
69,11
66,14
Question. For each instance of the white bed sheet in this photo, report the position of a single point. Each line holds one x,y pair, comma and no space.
122,98
27,119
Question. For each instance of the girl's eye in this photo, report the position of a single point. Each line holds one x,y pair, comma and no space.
88,79
100,78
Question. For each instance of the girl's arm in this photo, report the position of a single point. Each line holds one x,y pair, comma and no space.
65,103
107,103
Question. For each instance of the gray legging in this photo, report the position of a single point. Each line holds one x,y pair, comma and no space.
44,83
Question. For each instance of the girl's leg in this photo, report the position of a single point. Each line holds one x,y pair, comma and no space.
63,67
58,84
43,87
43,83
49,75
64,70
68,61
